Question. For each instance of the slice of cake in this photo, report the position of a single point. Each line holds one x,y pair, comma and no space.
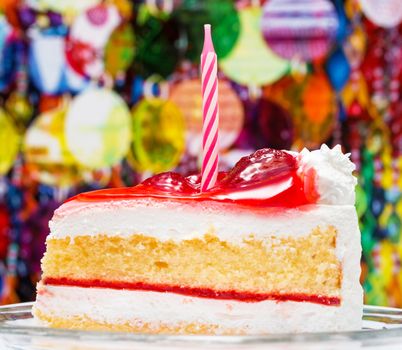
273,247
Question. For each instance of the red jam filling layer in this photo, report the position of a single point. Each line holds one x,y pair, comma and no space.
194,291
265,178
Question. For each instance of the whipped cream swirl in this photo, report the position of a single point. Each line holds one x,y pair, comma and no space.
332,175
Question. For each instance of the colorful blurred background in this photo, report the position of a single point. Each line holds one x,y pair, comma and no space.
100,94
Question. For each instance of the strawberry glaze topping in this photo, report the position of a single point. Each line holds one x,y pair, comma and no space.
266,178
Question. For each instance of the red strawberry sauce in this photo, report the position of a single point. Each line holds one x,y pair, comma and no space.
194,291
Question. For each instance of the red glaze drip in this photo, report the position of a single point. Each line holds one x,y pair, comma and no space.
195,291
266,178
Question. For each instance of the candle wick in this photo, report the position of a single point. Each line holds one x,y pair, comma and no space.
208,45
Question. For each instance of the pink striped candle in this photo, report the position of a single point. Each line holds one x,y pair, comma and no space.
210,112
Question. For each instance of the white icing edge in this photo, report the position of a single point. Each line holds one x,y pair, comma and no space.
334,181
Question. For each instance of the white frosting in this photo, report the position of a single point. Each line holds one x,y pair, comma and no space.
181,221
333,181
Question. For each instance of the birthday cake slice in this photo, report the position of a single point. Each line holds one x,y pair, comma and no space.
273,247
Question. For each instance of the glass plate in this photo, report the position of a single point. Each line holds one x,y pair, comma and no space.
382,329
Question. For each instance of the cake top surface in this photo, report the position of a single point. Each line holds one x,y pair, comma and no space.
266,178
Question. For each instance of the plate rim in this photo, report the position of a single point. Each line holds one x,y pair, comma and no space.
14,312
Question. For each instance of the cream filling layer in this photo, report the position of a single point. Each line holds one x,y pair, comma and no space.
136,307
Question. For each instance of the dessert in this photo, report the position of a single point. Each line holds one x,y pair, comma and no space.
273,247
